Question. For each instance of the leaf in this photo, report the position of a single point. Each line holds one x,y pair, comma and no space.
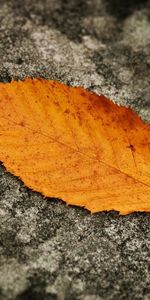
68,143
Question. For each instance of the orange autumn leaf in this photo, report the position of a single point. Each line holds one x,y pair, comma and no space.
68,143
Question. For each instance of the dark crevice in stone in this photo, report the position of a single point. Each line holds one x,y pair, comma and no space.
122,9
12,248
5,77
37,287
19,61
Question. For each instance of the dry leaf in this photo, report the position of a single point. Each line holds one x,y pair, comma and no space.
68,143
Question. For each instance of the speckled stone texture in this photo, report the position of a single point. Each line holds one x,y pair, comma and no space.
49,250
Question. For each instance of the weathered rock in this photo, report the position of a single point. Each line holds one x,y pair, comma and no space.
49,250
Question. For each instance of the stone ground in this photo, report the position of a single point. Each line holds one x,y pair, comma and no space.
49,250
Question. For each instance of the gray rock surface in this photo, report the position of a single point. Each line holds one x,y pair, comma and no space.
49,250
